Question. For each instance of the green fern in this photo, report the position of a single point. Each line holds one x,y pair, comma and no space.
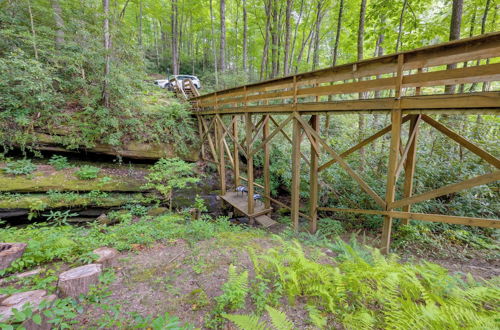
246,322
278,319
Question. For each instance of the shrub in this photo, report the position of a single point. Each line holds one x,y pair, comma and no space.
168,174
87,172
19,167
59,162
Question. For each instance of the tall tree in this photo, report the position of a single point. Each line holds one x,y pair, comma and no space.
288,13
456,22
175,37
107,48
57,12
317,32
399,42
245,41
360,48
274,38
222,49
212,39
140,23
337,33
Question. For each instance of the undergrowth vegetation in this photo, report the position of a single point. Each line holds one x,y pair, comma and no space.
48,243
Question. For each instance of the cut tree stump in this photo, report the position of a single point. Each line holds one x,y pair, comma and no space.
78,280
19,300
10,252
106,255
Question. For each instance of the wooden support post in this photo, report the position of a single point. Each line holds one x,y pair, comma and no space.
202,143
296,173
267,173
221,156
249,128
390,193
410,164
236,155
313,187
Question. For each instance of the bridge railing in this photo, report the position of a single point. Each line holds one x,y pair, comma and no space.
459,67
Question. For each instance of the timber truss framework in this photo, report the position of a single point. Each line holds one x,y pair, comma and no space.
409,86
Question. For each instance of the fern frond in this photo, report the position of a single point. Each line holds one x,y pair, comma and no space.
246,322
279,319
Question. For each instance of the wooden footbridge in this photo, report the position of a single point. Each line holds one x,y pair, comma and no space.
410,86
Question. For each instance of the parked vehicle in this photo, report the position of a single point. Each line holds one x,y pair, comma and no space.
168,83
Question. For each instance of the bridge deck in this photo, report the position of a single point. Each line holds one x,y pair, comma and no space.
239,201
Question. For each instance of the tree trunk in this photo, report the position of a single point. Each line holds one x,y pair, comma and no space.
107,48
265,52
361,119
33,33
471,33
295,36
140,23
337,35
274,39
222,49
245,26
319,18
456,22
57,12
175,40
399,42
288,12
214,49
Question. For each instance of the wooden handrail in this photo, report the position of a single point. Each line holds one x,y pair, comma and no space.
378,74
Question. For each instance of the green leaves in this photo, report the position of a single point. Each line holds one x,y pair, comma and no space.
20,167
87,172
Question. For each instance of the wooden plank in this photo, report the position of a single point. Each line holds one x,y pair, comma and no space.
390,193
462,141
250,200
265,221
449,189
483,102
413,133
239,201
410,163
267,172
222,158
471,74
363,143
343,163
485,46
295,188
210,142
313,177
468,221
236,155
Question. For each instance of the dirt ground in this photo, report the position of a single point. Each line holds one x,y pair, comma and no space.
184,279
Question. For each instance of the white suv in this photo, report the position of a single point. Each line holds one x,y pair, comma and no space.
167,83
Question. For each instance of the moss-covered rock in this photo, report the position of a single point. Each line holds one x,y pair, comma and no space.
45,201
45,178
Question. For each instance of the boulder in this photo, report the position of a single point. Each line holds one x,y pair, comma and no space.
10,252
156,211
19,300
78,280
107,256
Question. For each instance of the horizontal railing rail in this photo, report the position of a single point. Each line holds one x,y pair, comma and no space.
421,76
